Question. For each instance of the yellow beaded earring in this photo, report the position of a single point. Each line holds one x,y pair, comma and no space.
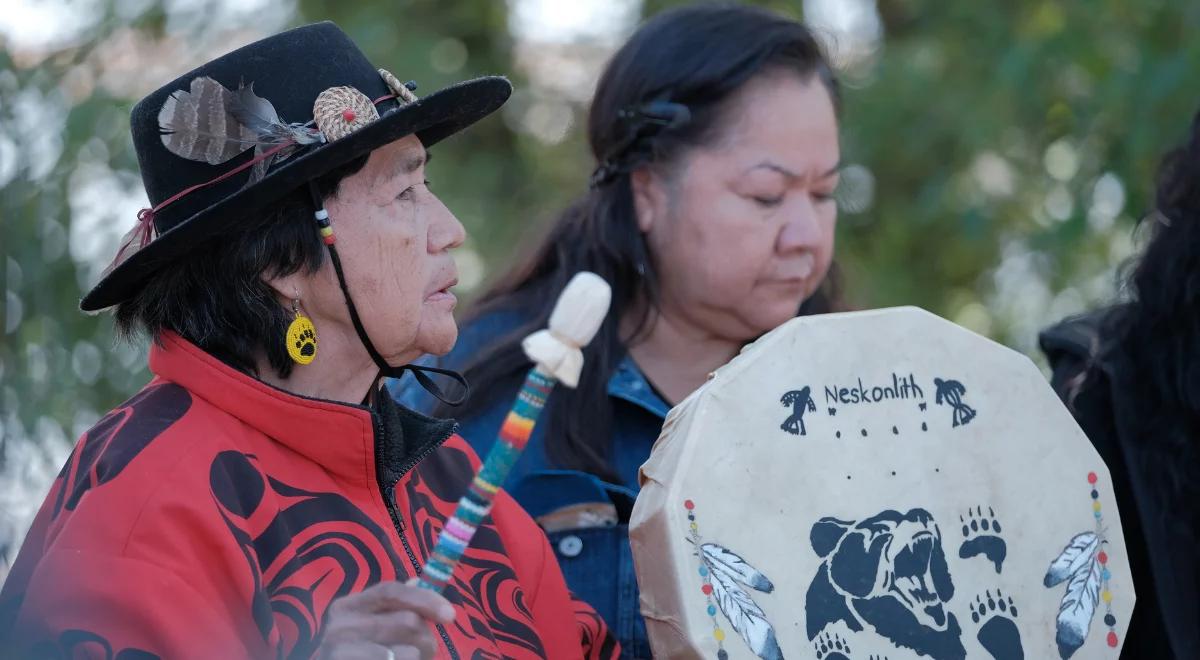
301,337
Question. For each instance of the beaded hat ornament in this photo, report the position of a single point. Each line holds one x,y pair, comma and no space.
878,484
339,111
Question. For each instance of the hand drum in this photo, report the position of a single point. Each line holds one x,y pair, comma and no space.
879,484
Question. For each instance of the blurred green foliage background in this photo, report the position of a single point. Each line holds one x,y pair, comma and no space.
998,156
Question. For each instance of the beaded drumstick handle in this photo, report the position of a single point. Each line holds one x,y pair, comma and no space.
558,358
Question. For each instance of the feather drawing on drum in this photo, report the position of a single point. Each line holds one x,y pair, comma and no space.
879,484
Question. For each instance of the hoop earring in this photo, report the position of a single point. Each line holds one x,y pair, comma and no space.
301,337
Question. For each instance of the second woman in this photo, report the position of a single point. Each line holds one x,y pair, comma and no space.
711,213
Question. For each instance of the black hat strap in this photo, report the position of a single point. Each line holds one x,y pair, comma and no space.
385,369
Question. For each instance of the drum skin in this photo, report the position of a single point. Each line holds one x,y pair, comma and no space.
880,484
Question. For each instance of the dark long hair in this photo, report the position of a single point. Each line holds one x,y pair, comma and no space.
1157,334
1149,350
667,89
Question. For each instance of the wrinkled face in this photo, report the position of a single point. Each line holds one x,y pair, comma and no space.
394,238
743,232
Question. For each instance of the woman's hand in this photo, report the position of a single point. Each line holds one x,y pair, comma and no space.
388,621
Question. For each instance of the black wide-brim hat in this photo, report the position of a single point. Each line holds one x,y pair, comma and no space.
290,71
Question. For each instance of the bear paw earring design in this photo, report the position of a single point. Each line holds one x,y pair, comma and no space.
301,337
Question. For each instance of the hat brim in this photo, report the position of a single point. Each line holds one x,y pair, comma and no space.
431,118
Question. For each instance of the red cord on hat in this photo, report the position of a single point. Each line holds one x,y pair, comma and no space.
146,216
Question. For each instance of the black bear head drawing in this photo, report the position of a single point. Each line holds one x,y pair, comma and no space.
889,572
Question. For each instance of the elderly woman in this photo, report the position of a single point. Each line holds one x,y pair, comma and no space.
711,212
259,497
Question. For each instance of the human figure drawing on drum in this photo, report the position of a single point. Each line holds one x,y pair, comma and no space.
711,213
801,402
950,392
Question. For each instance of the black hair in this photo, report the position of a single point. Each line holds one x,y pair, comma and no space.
1159,330
1146,358
667,89
216,297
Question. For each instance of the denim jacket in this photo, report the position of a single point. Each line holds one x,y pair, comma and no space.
596,561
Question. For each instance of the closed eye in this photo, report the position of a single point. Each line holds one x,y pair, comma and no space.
407,193
768,202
